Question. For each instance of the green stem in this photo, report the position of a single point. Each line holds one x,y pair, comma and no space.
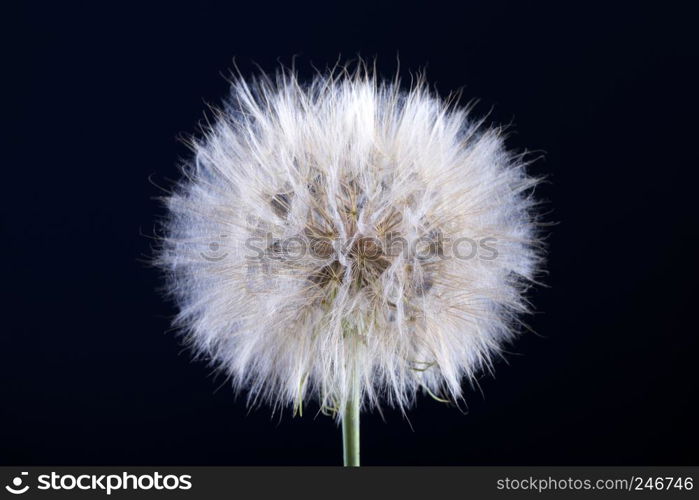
350,427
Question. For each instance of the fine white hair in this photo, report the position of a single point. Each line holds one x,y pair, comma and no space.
349,235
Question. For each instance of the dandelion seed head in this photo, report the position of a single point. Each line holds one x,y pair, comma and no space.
348,229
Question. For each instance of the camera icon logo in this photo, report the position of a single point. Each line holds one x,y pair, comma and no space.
16,487
215,251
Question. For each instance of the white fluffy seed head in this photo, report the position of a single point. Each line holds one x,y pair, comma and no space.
349,232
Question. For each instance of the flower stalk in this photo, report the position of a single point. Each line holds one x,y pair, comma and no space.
350,426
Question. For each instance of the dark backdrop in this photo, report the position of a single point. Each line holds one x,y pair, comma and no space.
97,95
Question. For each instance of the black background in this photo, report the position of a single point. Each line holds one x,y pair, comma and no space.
98,95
